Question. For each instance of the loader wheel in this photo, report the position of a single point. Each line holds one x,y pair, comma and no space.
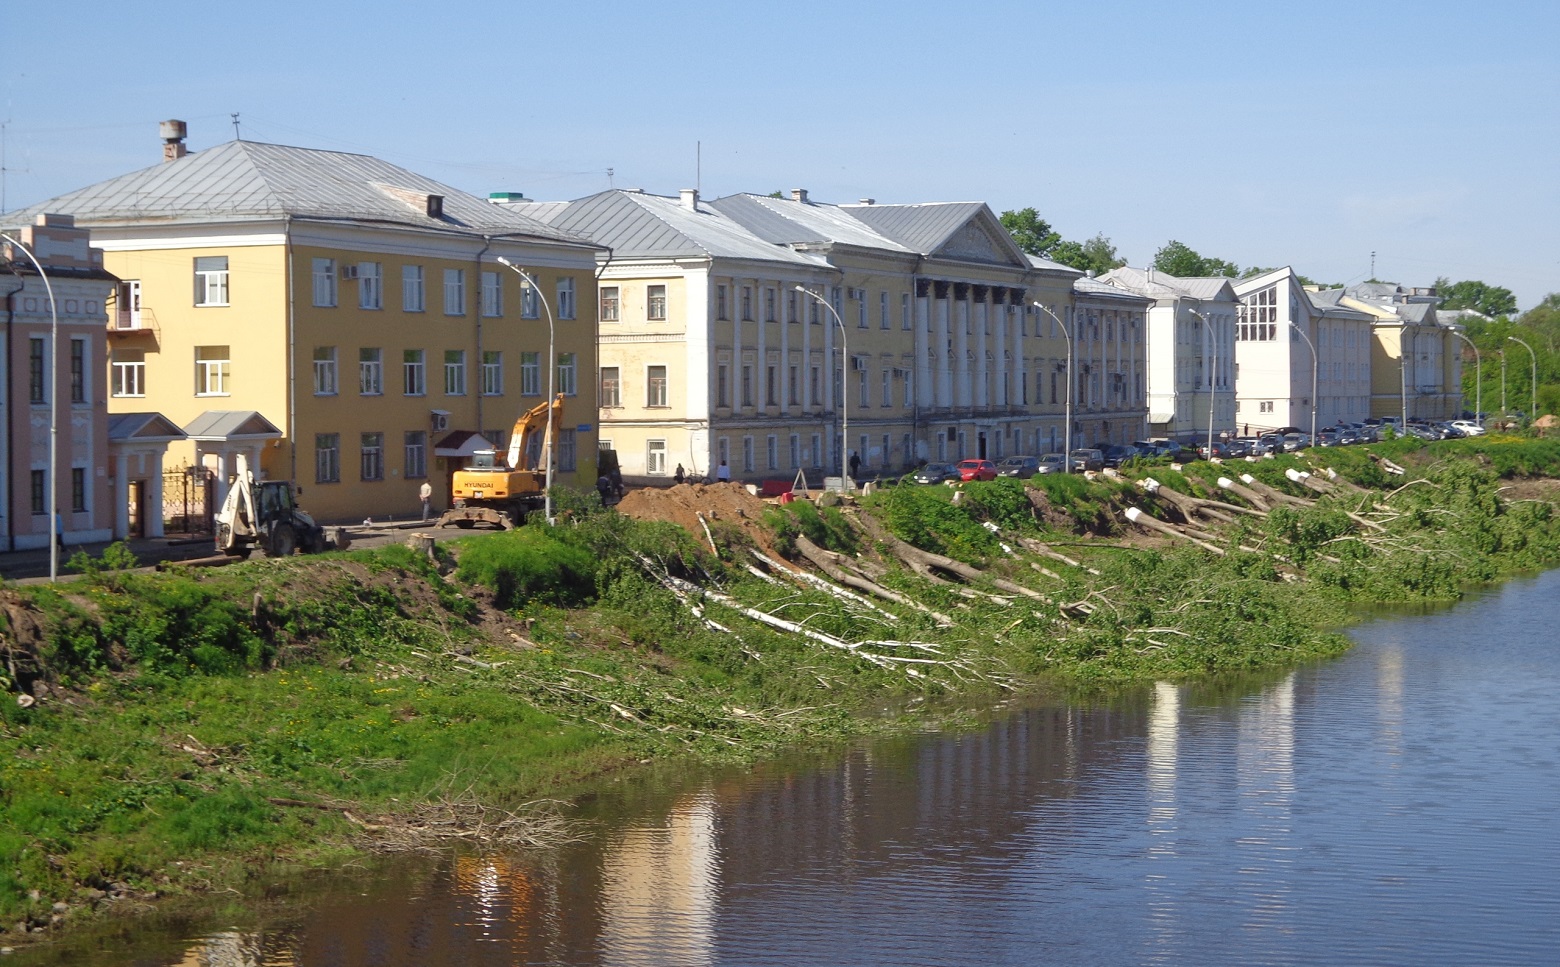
283,542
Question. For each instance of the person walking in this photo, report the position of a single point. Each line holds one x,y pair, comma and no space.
680,474
855,464
723,473
426,493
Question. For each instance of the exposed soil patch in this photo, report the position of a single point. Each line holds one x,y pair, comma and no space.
728,503
1531,488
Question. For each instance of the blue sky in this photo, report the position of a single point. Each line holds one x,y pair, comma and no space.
1309,134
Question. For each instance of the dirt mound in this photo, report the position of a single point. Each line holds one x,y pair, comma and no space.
729,503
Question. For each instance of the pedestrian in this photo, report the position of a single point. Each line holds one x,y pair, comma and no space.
855,464
723,473
680,474
604,488
425,492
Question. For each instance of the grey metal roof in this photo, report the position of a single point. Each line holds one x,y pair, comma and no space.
250,180
149,427
640,225
921,228
1094,288
1418,313
783,221
231,425
1046,265
1325,297
1163,286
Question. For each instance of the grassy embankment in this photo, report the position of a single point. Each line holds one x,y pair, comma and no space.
183,720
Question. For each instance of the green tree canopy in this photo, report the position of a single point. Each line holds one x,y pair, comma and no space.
1177,258
1490,300
1096,255
1032,233
1035,236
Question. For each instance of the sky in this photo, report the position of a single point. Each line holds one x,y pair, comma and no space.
1320,135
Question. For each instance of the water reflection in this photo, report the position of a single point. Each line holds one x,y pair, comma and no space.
659,889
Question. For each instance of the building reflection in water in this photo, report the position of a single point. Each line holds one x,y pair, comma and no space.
659,884
1265,769
1162,743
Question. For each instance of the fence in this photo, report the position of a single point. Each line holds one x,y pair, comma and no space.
188,505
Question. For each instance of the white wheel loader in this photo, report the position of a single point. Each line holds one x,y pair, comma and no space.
263,514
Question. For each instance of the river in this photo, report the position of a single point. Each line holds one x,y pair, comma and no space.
1395,806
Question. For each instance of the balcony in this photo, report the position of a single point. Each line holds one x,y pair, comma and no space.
132,322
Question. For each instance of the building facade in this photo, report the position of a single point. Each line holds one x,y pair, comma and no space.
340,321
1416,360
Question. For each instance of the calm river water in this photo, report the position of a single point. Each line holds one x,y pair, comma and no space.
1393,807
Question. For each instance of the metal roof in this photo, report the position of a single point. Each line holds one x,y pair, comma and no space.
922,228
250,180
231,425
640,225
147,427
1162,286
783,221
1094,288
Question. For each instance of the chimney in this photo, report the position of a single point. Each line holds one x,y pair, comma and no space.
173,134
799,194
867,201
690,198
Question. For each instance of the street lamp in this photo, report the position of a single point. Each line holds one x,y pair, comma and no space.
1478,383
552,374
55,527
1312,346
1403,353
1213,373
1067,405
844,390
1533,388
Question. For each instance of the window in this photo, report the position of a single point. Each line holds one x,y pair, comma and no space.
888,387
414,377
325,371
771,385
790,305
791,397
655,457
655,302
568,451
863,390
655,382
373,456
35,371
327,458
492,372
722,383
567,367
796,450
609,303
78,370
772,452
371,285
416,454
861,310
722,312
530,374
492,295
814,386
611,387
747,385
371,372
883,310
769,304
530,302
78,489
211,280
413,298
454,292
454,372
817,450
747,303
40,492
566,308
129,374
129,312
747,455
212,375
324,282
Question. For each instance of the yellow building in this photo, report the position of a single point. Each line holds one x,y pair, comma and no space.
915,338
341,321
1428,385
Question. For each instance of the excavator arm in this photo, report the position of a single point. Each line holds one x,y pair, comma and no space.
531,422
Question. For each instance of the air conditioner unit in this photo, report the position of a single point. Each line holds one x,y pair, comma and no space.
348,272
439,420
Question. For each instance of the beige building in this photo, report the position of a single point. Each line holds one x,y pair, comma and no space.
922,342
1425,383
340,321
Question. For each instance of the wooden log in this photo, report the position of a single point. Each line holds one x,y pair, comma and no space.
1147,522
1275,496
915,556
1245,493
421,543
833,565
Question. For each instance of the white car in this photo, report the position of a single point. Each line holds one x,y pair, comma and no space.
1468,427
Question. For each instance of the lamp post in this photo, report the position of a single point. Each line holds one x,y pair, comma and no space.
844,390
1404,349
1067,399
1311,346
1533,407
1478,383
1213,372
55,526
552,375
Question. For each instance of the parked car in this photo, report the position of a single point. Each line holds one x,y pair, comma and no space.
1296,441
1119,453
1217,448
977,470
1468,427
1271,443
1348,437
1327,437
935,473
1052,463
1160,447
1087,458
1239,447
1021,467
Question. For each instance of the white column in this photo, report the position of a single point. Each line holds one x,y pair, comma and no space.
961,348
981,375
121,496
942,340
923,347
154,495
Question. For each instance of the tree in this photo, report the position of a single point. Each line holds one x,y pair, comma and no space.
1032,233
1489,300
1176,258
1097,255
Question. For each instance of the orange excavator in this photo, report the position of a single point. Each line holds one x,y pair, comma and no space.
500,494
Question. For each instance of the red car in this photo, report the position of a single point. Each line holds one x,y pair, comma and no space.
977,470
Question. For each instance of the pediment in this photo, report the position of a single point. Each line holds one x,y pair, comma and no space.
976,241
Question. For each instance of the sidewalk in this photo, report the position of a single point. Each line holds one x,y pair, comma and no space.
34,562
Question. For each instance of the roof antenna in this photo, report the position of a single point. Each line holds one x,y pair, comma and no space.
1373,266
236,135
609,179
698,165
